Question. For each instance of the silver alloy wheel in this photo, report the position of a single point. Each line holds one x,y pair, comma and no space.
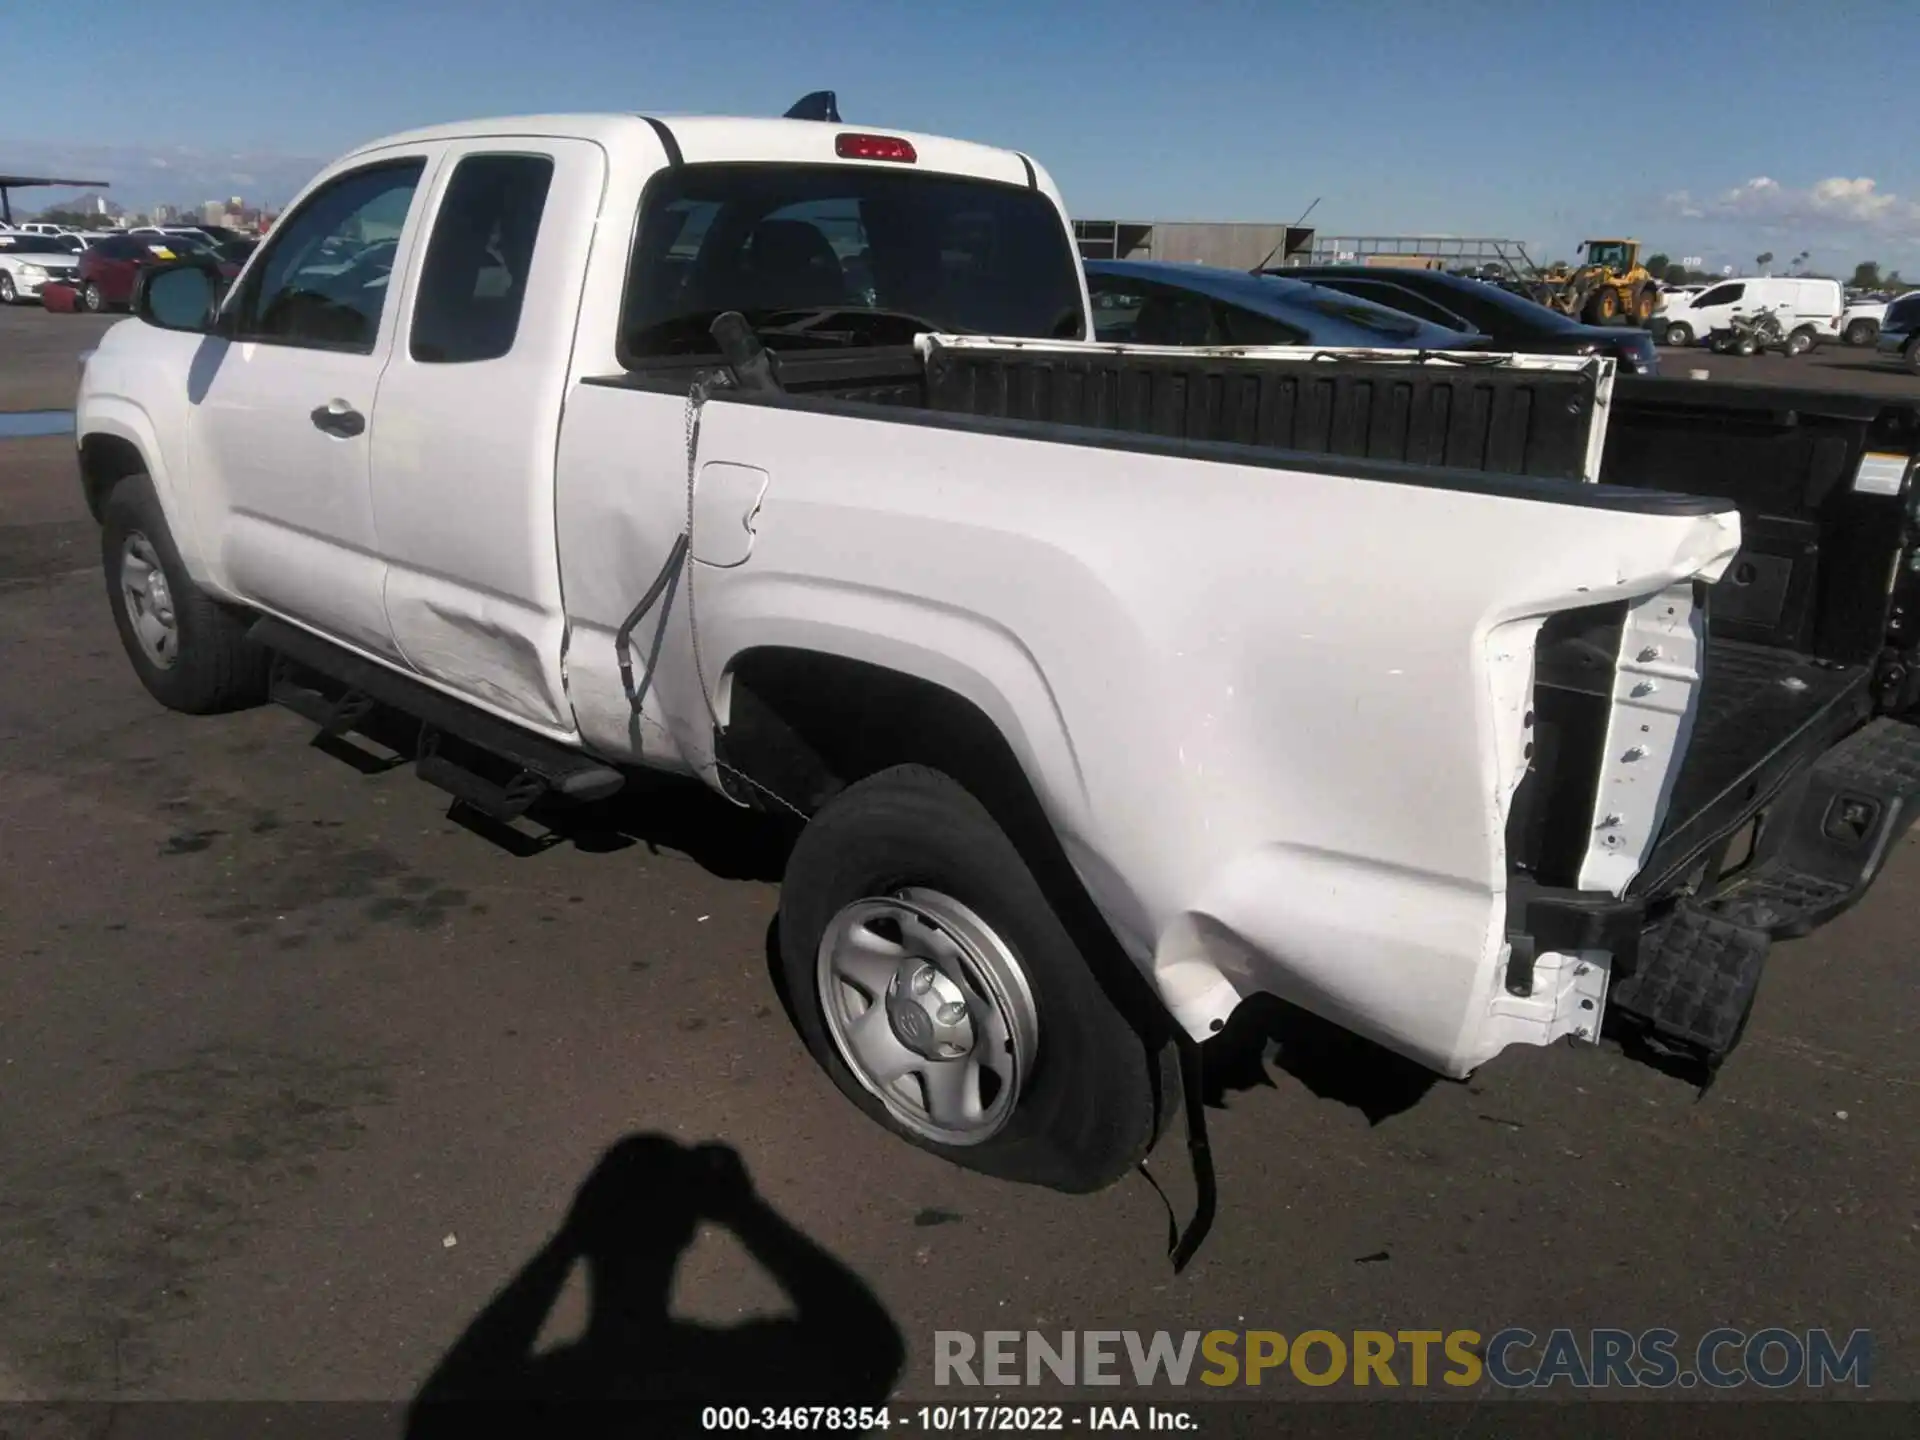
149,601
7,295
931,1011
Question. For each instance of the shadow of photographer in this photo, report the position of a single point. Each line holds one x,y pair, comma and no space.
637,1367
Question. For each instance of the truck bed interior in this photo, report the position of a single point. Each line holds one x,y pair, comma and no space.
1801,629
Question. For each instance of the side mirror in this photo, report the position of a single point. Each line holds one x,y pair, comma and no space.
183,295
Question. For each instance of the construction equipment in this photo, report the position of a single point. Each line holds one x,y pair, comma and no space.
1610,282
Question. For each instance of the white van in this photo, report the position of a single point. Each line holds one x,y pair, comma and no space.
1809,310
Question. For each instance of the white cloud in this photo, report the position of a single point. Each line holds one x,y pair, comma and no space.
1834,204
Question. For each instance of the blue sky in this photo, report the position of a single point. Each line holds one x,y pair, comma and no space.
1453,116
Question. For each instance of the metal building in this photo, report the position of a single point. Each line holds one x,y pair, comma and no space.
1234,246
1243,246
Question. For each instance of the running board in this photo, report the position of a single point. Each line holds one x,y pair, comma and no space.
537,765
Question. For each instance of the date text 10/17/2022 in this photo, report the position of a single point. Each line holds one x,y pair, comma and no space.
938,1419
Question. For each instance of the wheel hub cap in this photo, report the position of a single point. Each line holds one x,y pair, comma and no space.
931,1011
149,601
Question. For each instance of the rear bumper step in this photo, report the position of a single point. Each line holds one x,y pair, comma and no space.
537,766
1824,840
1693,982
1821,844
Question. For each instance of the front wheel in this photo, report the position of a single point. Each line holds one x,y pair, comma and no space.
937,986
190,651
1862,332
92,299
8,295
1679,335
1911,355
1746,347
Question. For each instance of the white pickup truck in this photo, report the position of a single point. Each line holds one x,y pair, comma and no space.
1114,685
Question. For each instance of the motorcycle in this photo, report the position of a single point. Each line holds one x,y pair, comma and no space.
1757,331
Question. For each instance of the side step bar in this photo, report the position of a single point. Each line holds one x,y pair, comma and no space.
539,766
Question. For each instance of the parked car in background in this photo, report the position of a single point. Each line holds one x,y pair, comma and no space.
1150,302
1809,310
107,271
1860,321
1672,295
28,261
1508,321
1899,338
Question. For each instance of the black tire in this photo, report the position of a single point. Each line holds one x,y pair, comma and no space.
1746,347
1603,307
1678,334
91,300
1800,342
1092,1105
214,668
1862,332
1911,356
8,294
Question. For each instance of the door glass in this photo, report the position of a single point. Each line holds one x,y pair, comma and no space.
475,277
323,283
1115,312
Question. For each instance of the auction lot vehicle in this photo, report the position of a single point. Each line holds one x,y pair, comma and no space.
1899,337
1860,321
1809,310
29,262
1113,684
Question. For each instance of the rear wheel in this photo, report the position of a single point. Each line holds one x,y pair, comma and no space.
1862,332
1799,342
1603,307
1679,334
7,293
1643,302
190,651
1746,347
937,986
1912,356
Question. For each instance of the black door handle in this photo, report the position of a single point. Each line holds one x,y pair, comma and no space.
344,423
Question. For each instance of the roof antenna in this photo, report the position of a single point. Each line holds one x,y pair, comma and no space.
1283,235
820,105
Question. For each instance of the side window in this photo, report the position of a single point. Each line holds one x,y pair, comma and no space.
474,281
1721,295
1175,317
1248,327
323,281
1405,301
1116,311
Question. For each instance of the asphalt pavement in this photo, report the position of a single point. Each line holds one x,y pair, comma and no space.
297,1072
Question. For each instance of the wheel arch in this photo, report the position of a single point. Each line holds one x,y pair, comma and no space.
807,723
117,440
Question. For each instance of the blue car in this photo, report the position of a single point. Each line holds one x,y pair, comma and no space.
1152,302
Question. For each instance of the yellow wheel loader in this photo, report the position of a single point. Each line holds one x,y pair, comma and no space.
1608,283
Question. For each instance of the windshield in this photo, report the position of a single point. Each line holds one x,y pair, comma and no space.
1614,254
914,250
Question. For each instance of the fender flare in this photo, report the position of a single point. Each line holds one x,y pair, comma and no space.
128,423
